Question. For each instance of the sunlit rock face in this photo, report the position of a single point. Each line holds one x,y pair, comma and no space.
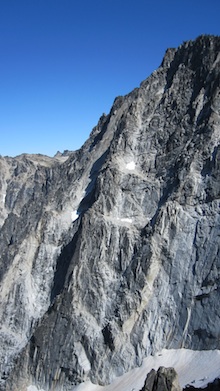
111,253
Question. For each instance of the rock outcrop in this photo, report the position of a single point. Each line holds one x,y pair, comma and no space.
165,379
112,252
214,386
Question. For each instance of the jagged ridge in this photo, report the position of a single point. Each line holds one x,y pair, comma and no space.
111,253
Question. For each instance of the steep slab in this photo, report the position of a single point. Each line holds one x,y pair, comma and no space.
113,254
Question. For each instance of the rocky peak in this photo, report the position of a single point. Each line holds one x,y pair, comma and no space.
111,253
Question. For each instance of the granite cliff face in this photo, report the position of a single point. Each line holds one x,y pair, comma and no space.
112,252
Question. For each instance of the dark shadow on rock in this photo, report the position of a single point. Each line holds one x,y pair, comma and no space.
214,386
90,197
66,255
171,186
98,138
62,267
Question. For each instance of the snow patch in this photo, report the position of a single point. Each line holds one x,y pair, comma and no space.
67,216
3,198
74,215
160,91
130,166
197,368
82,358
88,386
125,220
34,388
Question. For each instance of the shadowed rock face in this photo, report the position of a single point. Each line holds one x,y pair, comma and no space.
111,253
165,379
215,386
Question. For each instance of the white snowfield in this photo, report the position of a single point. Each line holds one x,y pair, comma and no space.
197,368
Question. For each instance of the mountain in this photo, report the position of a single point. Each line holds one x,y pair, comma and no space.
111,253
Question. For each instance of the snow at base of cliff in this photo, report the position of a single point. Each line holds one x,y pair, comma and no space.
197,368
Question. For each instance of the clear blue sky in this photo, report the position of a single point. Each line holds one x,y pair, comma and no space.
62,62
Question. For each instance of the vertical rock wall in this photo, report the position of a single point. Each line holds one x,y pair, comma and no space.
113,253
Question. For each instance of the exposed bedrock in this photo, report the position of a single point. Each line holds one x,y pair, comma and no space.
111,253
